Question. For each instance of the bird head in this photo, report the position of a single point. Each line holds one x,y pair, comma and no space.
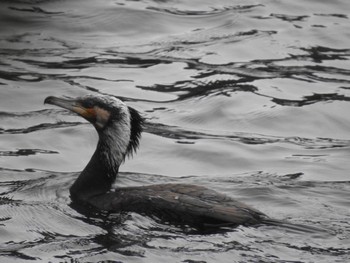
111,117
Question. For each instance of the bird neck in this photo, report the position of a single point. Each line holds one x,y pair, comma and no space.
101,171
95,179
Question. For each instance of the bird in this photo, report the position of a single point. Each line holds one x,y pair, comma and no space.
119,129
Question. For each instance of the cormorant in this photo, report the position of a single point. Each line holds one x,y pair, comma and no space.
119,128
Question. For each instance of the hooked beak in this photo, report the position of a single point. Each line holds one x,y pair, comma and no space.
72,105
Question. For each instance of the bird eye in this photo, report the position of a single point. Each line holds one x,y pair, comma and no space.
87,103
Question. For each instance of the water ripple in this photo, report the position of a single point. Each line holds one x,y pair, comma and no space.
214,10
246,138
40,127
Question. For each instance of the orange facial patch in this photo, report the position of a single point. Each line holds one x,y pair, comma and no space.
90,112
101,113
102,117
96,115
87,113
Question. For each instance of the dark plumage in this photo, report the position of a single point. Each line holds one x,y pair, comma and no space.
136,122
119,128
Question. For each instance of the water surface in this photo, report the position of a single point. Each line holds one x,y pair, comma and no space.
250,98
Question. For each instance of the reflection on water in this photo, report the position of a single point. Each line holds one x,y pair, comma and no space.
249,98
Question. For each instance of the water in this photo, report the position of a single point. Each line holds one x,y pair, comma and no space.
250,98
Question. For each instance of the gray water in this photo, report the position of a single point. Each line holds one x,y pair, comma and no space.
250,98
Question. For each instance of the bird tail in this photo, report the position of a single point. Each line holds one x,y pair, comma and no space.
294,227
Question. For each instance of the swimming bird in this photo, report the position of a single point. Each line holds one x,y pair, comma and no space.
119,129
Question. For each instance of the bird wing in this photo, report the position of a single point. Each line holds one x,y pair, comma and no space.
184,201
